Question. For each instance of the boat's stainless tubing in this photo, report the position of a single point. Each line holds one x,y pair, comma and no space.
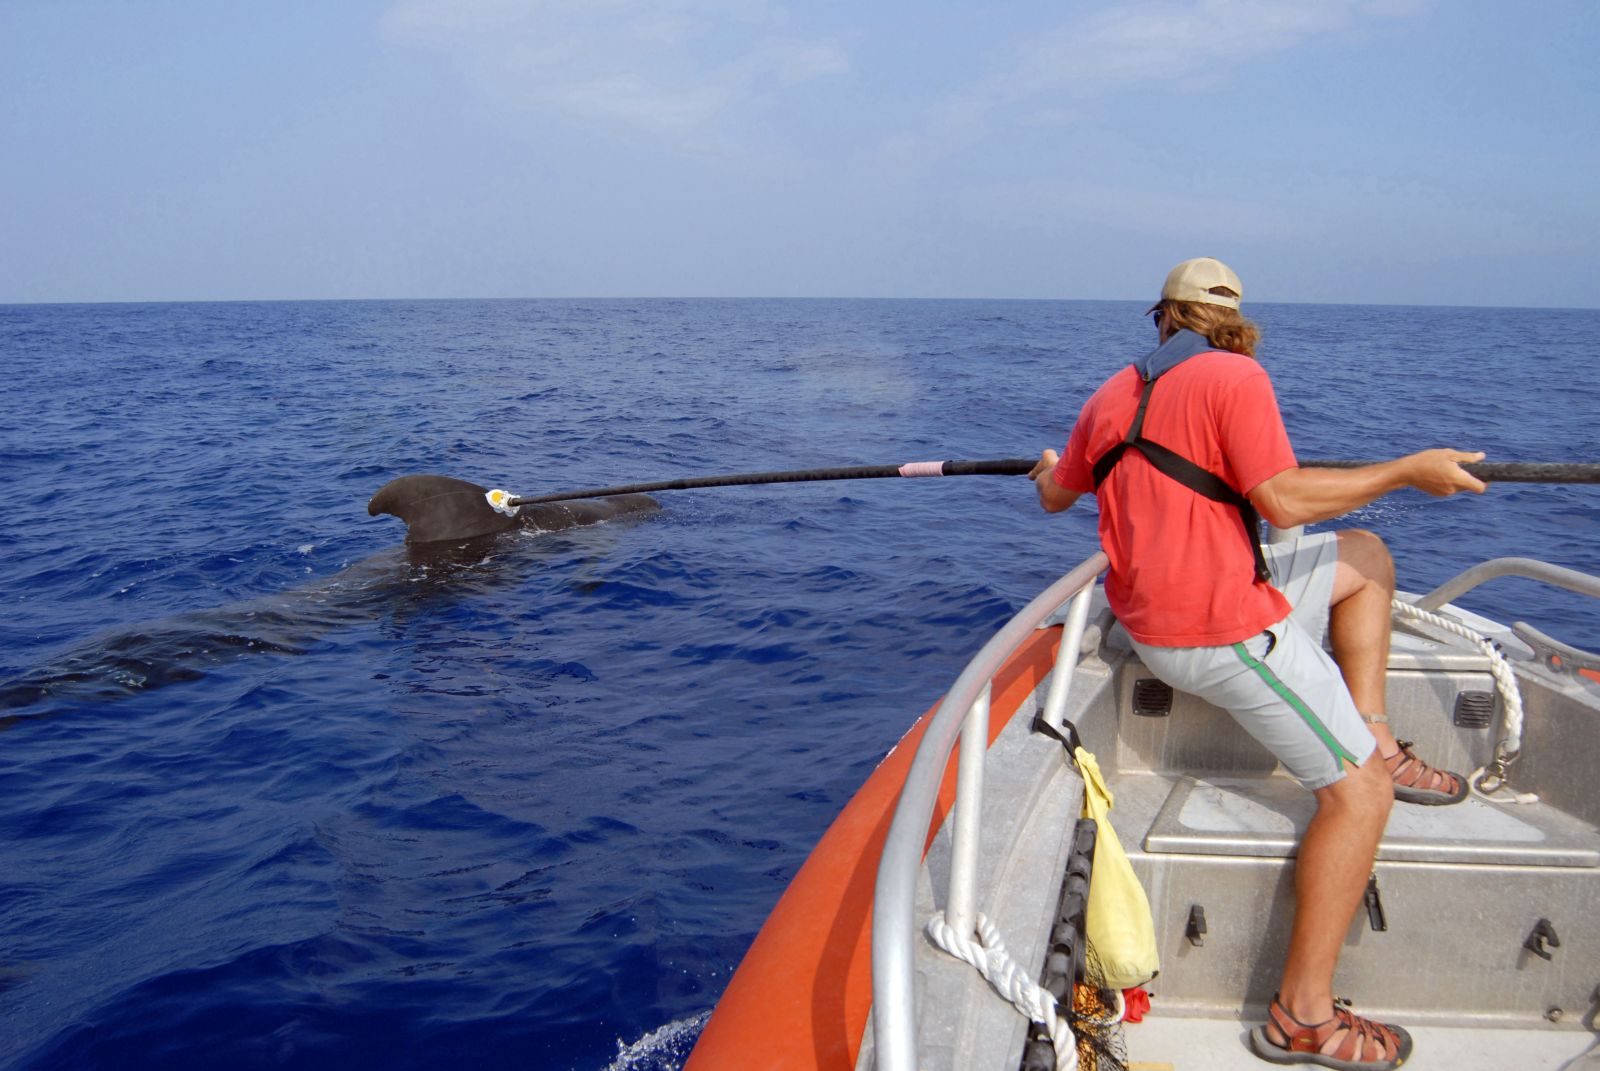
894,893
1055,703
1529,568
961,906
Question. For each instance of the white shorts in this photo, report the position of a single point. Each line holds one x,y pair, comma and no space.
1280,685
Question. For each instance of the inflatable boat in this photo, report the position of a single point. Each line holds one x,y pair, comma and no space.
938,924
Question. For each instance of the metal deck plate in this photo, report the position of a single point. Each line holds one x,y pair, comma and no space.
1409,651
1265,816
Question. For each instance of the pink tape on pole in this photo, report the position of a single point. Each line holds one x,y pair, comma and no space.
922,468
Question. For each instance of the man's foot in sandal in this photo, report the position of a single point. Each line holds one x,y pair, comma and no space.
1346,1042
1417,782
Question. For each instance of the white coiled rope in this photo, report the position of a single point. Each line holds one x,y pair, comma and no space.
988,954
1488,782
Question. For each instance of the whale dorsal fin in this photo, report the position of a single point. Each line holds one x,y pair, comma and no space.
439,509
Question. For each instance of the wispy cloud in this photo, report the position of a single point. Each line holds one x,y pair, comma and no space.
671,67
1186,47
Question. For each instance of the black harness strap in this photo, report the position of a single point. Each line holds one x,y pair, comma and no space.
1179,468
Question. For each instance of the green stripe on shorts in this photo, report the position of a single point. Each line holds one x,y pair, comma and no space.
1287,695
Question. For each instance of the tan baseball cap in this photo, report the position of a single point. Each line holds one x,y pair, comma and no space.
1202,279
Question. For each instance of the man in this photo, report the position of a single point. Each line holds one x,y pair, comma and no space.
1183,450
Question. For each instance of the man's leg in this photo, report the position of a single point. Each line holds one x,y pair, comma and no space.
1358,632
1335,857
1284,690
1331,869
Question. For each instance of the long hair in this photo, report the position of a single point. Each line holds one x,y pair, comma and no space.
1224,328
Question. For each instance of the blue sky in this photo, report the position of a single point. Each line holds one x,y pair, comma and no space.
1382,151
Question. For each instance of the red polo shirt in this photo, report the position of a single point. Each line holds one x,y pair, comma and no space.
1182,573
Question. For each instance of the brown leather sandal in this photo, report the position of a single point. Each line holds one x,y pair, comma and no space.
1346,1042
1417,782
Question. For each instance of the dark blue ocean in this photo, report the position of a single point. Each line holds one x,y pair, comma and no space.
274,794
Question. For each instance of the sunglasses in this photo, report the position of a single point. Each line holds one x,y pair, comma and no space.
1155,318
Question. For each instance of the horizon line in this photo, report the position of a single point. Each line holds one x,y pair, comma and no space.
660,297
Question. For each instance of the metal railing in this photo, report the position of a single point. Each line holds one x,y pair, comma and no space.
964,712
1555,656
1528,568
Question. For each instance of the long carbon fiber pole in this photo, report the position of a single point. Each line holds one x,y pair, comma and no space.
1005,467
1500,471
1491,471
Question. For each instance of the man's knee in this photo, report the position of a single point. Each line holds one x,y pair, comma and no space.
1363,560
1365,791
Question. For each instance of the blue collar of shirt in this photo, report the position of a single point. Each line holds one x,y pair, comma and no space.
1171,353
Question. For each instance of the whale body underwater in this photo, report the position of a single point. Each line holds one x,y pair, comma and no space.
451,532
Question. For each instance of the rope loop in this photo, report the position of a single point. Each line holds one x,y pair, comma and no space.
988,954
1488,782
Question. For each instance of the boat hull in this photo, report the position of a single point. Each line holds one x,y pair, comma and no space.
802,996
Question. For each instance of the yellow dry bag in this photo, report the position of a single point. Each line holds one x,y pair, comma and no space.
1118,924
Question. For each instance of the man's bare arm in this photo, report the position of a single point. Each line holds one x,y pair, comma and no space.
1052,496
1306,496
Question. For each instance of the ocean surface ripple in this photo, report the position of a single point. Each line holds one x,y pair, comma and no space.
278,793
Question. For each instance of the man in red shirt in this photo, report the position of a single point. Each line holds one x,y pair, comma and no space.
1182,472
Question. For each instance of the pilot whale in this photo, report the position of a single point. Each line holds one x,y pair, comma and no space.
451,530
442,509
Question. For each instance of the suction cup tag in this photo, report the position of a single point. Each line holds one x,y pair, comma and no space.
500,502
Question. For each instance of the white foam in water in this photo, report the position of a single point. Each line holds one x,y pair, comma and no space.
663,1049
